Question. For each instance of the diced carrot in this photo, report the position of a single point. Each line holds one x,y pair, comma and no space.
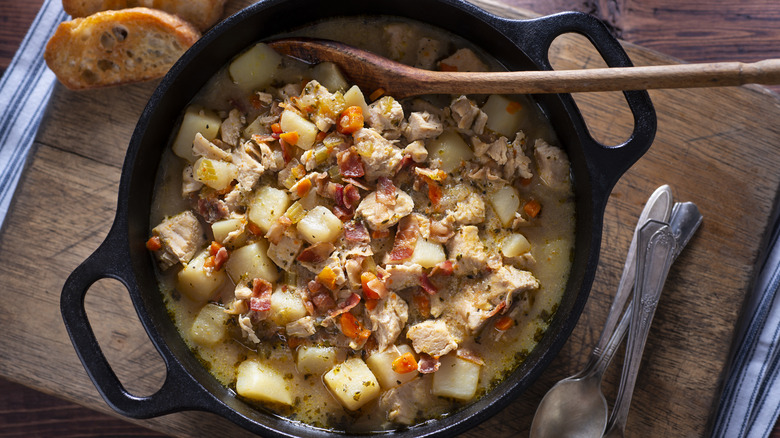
327,277
513,107
276,128
209,262
434,191
447,67
525,181
254,229
293,342
350,326
504,323
379,92
405,363
214,248
423,304
154,243
373,287
532,208
303,187
290,137
350,120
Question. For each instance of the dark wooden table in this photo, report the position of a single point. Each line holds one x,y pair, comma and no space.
691,30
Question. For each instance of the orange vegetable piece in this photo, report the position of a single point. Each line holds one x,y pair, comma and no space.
254,229
532,208
405,363
154,243
504,323
423,304
513,107
214,248
371,304
290,137
350,326
276,128
379,92
303,187
350,120
327,277
373,287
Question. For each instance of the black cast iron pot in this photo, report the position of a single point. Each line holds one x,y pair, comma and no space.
519,45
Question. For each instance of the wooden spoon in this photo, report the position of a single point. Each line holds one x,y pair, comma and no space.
372,72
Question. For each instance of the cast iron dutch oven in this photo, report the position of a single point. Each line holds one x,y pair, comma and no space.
519,45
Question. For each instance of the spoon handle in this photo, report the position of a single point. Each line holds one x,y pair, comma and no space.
658,207
657,247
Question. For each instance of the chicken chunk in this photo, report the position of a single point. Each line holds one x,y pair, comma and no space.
202,147
379,216
467,115
403,275
463,60
553,165
284,252
181,237
404,402
422,125
385,115
232,126
380,156
433,336
301,328
468,251
387,319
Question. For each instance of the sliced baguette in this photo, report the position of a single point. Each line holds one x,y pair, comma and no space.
201,13
117,47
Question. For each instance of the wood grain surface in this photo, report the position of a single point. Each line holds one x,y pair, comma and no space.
711,148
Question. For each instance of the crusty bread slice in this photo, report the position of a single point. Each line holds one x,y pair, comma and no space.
117,47
201,13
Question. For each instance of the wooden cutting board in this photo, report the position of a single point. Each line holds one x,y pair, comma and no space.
715,147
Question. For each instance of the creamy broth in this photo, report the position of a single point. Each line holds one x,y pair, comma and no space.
491,340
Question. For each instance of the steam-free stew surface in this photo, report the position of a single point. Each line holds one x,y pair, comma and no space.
351,261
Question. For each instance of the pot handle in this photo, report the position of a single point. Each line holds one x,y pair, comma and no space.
178,392
606,163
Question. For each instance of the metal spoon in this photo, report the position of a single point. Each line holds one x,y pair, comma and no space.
576,406
372,72
684,222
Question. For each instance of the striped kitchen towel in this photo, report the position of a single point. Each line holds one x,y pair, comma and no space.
25,89
750,400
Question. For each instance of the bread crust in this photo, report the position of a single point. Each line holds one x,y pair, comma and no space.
117,47
201,13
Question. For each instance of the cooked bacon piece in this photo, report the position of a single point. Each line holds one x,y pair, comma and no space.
320,297
346,305
350,164
261,295
356,183
351,196
465,353
220,258
428,364
316,253
405,240
385,191
343,213
356,232
212,209
442,268
427,286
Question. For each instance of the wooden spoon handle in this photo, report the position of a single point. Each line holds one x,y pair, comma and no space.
372,72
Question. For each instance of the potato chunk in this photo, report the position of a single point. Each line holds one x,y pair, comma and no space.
214,173
267,206
456,378
286,306
504,115
320,225
352,383
450,149
515,245
260,381
196,120
250,262
197,282
255,68
294,122
209,327
329,75
381,364
505,202
428,254
316,360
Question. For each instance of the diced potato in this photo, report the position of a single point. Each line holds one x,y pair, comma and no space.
255,68
196,119
294,122
267,206
505,202
320,225
456,378
197,282
515,245
316,360
428,254
329,75
222,228
352,383
210,326
214,173
450,149
504,115
354,97
250,262
286,306
381,364
260,381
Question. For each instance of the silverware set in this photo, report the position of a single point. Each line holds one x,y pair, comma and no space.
576,406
